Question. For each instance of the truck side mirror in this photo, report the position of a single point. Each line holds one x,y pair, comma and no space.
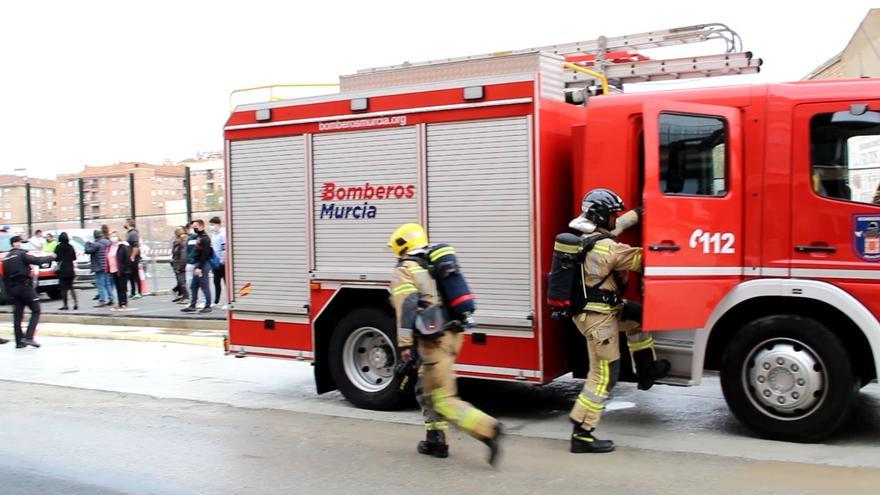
858,116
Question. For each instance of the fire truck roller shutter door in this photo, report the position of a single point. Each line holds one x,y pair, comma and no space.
479,200
365,185
267,179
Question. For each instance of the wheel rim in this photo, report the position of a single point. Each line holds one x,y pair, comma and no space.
368,359
785,379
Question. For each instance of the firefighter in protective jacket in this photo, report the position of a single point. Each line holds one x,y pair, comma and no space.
421,323
605,314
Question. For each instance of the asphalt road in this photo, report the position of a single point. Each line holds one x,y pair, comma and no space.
65,440
86,416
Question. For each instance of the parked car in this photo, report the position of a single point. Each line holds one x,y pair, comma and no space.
46,278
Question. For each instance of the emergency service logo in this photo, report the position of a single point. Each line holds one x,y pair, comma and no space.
353,202
866,237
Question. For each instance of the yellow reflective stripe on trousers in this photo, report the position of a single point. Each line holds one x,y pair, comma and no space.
566,248
604,378
641,345
589,404
441,253
403,289
598,307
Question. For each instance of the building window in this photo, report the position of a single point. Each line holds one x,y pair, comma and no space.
693,158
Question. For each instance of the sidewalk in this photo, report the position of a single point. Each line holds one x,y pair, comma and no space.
157,307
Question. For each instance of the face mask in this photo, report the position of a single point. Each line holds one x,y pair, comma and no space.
114,239
214,228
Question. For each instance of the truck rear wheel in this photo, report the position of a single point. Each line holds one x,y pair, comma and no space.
788,378
363,353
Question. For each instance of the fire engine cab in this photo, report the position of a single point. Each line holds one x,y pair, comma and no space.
761,228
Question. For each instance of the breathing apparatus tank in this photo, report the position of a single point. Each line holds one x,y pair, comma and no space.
460,301
563,282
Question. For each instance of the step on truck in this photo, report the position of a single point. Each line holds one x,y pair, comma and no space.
761,227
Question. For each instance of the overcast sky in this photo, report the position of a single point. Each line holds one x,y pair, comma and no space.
88,82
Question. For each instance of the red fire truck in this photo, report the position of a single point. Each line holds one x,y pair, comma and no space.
761,232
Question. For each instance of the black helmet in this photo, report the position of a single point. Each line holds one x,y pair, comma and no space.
599,205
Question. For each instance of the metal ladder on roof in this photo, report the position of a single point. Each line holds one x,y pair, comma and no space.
617,57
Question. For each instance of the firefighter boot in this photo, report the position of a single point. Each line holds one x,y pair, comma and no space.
494,445
583,442
648,370
434,444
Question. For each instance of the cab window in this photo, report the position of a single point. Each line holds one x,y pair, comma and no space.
693,157
845,158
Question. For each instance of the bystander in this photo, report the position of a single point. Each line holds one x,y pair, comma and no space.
201,268
134,243
97,250
66,275
218,245
37,240
119,263
178,264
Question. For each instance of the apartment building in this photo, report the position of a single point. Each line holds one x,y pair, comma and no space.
208,181
107,190
13,199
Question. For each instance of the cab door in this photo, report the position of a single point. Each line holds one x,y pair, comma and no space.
693,198
836,196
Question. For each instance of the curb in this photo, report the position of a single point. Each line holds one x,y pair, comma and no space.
132,337
143,334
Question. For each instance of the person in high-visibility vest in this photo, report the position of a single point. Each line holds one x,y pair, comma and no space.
604,315
421,323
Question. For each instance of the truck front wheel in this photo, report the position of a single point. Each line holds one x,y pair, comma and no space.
788,378
363,353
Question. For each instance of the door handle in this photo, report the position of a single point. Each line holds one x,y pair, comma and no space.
664,247
800,248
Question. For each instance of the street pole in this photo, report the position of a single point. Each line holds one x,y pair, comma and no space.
82,203
29,209
131,195
187,193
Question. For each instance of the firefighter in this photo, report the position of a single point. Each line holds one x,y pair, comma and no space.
604,316
17,280
420,323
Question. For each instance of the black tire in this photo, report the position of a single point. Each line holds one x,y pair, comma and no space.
762,381
54,294
370,386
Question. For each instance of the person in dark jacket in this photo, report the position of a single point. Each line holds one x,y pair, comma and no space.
66,258
178,264
17,280
202,268
119,266
97,250
134,245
